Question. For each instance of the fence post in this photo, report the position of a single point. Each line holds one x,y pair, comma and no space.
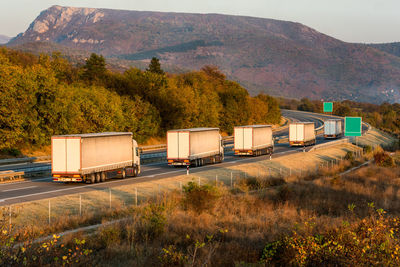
187,169
49,211
290,171
216,180
180,186
231,180
199,181
136,196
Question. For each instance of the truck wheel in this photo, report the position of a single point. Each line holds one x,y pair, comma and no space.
103,177
123,173
136,172
98,178
92,178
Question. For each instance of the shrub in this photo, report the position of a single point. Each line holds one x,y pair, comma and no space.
372,241
152,223
367,149
10,152
109,236
284,193
200,198
383,159
349,156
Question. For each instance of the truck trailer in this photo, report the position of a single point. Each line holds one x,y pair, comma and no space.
302,134
194,147
253,140
89,157
333,128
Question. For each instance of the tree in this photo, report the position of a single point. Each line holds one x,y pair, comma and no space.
155,66
95,68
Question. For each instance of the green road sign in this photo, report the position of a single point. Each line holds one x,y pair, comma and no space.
352,126
328,107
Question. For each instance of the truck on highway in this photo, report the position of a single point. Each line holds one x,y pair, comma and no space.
253,140
194,147
90,157
333,128
302,134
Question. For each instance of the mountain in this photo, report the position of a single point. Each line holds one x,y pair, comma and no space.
264,55
391,48
4,39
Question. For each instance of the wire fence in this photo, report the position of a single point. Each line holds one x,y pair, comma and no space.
110,202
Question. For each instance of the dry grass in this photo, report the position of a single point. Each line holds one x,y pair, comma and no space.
375,138
252,220
95,204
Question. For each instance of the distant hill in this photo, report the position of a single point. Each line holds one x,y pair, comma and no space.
4,39
391,48
264,55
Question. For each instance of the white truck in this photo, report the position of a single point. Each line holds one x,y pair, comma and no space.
89,157
333,128
194,147
302,134
254,140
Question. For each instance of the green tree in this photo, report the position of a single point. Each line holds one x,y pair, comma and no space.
95,68
155,66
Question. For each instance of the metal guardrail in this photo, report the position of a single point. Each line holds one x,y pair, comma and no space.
331,143
10,175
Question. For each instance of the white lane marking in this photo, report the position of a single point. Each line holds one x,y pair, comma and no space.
16,189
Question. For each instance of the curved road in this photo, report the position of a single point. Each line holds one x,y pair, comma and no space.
41,188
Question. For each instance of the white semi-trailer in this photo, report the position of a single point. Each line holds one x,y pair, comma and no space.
254,140
89,157
302,134
195,147
333,128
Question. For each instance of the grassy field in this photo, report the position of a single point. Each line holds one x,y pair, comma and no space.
95,203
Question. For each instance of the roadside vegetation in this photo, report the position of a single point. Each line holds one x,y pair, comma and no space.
314,219
41,96
385,117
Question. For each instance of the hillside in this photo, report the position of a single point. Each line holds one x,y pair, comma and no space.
264,55
4,39
391,48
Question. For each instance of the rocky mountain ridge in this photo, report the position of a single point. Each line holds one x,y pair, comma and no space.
264,55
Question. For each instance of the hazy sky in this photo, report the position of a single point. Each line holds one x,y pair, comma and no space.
367,21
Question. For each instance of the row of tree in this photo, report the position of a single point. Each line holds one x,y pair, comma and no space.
46,95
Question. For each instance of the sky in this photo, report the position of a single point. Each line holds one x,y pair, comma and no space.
364,21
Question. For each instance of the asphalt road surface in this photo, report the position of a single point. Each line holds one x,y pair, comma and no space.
44,187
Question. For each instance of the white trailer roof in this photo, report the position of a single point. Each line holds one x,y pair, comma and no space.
195,130
307,122
95,134
333,120
254,126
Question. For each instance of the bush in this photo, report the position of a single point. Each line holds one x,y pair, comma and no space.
152,223
200,198
109,236
367,149
349,156
383,159
13,152
284,193
370,242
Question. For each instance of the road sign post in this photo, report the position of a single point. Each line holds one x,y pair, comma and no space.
353,126
328,107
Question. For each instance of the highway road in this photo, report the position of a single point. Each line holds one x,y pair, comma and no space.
41,188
